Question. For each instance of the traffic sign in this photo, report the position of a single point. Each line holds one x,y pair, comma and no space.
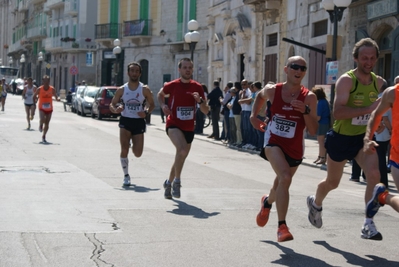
73,70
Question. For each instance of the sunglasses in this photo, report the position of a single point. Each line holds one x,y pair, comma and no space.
297,67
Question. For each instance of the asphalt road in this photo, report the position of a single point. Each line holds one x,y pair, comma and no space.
62,204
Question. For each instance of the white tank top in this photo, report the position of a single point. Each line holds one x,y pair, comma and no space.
133,101
29,95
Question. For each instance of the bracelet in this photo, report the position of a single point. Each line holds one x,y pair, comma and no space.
146,112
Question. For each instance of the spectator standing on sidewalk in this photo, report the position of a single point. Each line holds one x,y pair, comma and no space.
356,97
199,116
215,105
226,112
293,107
184,93
245,102
324,117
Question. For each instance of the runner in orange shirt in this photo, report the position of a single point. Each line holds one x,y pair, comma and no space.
45,95
381,196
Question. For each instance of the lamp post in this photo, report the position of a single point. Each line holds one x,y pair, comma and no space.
192,37
40,59
117,50
10,61
335,9
22,61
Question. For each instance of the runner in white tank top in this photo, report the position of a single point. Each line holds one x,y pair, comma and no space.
137,103
30,105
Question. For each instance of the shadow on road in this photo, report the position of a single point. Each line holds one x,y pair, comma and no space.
293,259
138,189
356,260
189,210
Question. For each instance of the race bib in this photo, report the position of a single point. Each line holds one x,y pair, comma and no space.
46,105
185,113
361,120
283,127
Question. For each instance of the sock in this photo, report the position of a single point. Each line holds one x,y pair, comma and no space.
368,220
176,180
281,223
125,166
266,204
317,207
167,182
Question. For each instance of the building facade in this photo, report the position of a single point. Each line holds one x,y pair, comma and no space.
239,39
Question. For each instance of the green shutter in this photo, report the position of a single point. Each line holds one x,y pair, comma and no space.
180,10
144,9
114,18
193,9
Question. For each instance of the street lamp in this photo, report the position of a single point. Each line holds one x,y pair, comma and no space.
192,37
117,50
10,61
335,9
22,61
40,59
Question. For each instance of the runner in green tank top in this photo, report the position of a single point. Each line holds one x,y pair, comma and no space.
356,98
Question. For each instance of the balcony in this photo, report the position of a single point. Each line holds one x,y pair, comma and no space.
23,6
106,33
37,1
263,5
53,44
71,8
54,4
78,45
37,33
138,30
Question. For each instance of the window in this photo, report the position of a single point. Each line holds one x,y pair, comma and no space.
271,39
320,28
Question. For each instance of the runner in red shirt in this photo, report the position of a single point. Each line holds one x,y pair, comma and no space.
293,108
184,93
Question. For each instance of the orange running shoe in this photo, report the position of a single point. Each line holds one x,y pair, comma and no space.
263,215
283,234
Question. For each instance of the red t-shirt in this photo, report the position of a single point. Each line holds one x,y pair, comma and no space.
286,126
182,103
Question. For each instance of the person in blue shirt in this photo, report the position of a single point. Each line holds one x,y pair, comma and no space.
324,119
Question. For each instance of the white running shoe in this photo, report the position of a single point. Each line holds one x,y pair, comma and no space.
126,180
314,215
369,231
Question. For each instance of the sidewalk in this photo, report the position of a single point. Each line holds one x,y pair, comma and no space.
311,145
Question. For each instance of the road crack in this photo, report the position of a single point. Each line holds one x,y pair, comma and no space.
98,249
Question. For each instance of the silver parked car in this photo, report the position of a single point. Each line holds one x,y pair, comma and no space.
85,100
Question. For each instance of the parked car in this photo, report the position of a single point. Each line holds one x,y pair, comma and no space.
86,99
102,101
75,97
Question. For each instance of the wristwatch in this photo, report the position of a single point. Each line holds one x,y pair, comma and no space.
307,110
201,101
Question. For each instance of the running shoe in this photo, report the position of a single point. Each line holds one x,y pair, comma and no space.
369,231
176,189
126,180
263,215
40,128
283,234
168,189
44,139
314,215
373,205
28,128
